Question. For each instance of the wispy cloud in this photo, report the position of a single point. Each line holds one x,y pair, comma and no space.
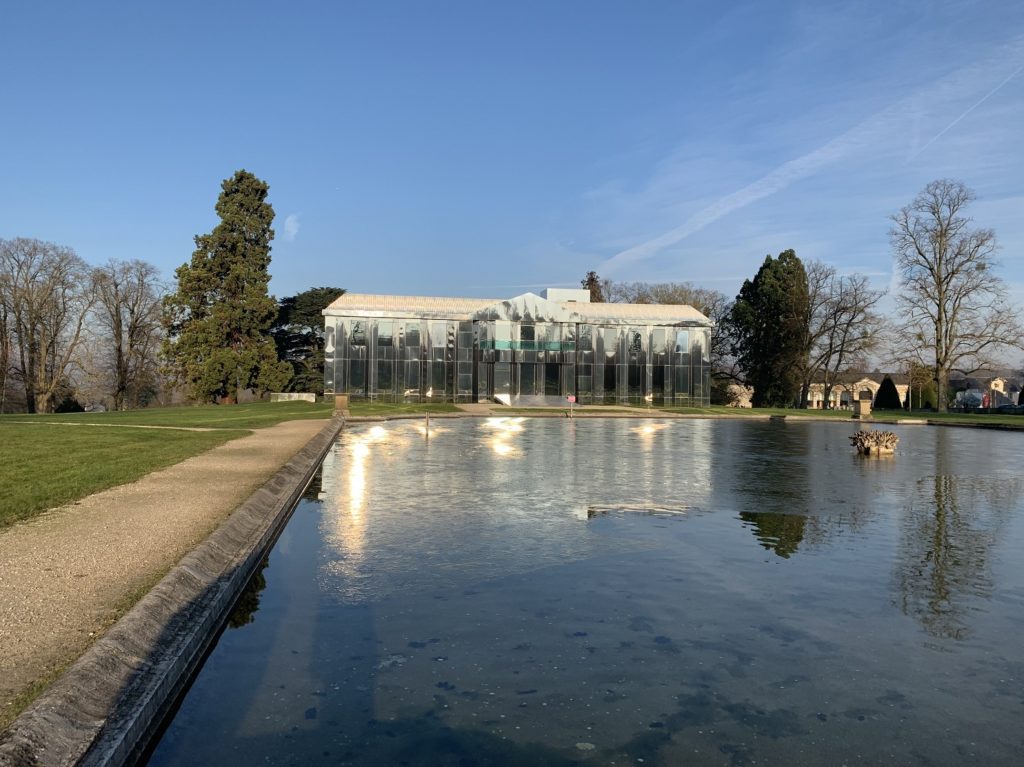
880,130
291,227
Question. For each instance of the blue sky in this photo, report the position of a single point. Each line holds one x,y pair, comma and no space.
484,149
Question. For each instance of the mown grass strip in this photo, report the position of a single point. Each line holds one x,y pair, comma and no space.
364,408
249,416
47,465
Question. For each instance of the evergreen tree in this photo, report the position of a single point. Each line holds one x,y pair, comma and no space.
781,533
769,322
299,335
218,319
596,286
887,398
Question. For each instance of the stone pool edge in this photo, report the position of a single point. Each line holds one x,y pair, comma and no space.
104,709
589,415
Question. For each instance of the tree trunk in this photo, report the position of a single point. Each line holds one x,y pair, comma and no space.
941,389
826,396
28,374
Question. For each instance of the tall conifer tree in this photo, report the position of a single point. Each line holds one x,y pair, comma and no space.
888,397
218,320
298,332
769,319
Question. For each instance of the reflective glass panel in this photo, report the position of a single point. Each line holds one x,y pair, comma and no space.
358,335
385,373
357,376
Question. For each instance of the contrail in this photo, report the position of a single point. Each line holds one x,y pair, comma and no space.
864,133
970,109
869,131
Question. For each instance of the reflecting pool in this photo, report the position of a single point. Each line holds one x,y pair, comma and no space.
555,592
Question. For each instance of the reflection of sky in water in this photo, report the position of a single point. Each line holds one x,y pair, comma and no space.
606,592
490,497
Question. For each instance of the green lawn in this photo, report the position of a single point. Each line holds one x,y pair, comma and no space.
46,464
364,408
981,419
879,416
250,416
722,410
50,460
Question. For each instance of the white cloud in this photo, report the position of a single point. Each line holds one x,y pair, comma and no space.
291,227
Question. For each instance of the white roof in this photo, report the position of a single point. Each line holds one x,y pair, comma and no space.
525,307
431,307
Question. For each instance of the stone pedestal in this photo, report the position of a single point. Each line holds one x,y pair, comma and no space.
862,408
340,402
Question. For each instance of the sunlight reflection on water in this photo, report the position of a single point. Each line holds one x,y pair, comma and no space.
666,591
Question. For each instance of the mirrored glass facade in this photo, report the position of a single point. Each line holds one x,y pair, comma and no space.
526,349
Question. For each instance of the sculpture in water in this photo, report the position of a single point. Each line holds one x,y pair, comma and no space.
874,442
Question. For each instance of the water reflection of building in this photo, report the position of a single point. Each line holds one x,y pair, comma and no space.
413,348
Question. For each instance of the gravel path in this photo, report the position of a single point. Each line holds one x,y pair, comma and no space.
67,575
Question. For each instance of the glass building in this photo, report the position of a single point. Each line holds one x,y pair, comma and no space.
525,350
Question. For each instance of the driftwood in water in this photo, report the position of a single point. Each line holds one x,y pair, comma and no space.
874,442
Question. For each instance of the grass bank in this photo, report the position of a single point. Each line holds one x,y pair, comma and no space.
1001,420
953,419
878,416
249,416
364,408
50,460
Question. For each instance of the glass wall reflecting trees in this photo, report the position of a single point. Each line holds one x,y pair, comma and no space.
403,359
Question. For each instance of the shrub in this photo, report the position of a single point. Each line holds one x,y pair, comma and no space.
887,398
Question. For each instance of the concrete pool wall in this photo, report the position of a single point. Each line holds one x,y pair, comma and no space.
106,707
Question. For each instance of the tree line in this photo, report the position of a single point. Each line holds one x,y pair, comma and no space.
72,334
795,324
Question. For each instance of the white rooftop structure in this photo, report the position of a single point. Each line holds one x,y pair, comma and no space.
556,307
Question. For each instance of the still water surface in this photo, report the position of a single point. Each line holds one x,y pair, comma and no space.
554,592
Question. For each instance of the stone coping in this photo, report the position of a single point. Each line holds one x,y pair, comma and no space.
107,706
743,414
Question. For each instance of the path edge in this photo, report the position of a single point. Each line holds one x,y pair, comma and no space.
105,708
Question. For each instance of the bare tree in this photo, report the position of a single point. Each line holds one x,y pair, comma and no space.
849,329
6,341
127,311
952,302
47,292
840,326
821,280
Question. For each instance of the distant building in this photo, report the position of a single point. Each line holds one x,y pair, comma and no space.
528,349
845,392
984,391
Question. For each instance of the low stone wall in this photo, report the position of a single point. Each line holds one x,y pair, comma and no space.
109,703
292,396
